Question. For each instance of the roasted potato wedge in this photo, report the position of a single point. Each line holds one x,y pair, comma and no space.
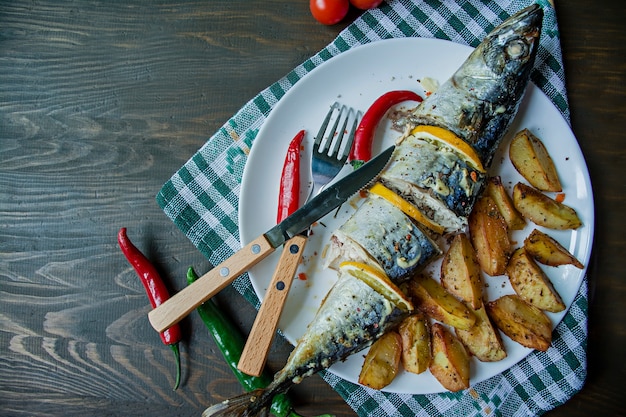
512,217
482,339
460,272
531,284
522,322
382,362
415,334
543,210
437,303
544,249
489,236
531,159
451,362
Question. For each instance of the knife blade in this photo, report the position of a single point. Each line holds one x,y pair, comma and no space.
182,303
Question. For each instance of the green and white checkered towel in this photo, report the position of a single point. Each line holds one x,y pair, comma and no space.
202,200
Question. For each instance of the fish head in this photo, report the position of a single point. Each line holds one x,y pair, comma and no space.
481,98
510,48
504,57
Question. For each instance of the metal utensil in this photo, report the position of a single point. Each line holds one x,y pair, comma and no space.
330,153
182,303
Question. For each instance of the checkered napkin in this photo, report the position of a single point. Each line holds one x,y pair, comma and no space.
202,200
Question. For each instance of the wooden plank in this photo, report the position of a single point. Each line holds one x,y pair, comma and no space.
100,103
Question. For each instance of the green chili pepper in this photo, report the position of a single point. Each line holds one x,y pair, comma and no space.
230,341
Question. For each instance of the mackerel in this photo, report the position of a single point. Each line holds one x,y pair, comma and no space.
477,104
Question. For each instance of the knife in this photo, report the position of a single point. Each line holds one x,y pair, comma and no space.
182,303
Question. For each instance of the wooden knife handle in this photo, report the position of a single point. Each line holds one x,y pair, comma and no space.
261,336
209,284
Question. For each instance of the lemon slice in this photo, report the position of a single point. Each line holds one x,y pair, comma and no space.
434,133
378,281
408,208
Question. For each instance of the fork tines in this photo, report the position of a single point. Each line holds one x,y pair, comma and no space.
341,121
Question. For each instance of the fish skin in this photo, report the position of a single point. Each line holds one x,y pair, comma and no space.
390,237
330,338
479,102
351,317
440,183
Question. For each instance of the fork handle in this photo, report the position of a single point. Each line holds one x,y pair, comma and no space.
263,331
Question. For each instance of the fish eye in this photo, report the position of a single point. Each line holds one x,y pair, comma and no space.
516,48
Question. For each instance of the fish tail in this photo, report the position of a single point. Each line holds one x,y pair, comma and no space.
257,403
248,404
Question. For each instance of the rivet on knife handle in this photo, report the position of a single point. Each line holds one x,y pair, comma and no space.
185,301
259,341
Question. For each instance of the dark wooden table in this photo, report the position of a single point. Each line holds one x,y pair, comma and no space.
100,102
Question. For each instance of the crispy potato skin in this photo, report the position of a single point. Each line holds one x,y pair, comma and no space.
531,283
416,347
522,322
544,249
482,340
437,303
489,236
382,362
543,210
531,159
419,343
450,363
495,189
460,272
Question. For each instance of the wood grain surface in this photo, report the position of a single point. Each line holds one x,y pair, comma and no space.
101,102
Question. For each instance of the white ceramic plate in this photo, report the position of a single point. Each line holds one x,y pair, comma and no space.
356,78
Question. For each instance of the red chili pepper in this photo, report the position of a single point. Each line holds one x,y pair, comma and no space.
157,292
361,151
289,194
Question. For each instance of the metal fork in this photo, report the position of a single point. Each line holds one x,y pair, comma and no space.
330,153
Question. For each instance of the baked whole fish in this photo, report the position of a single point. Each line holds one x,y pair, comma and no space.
439,165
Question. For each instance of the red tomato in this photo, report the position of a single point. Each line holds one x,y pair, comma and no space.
329,12
365,4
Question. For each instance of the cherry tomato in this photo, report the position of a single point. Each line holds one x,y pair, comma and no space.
365,4
329,12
